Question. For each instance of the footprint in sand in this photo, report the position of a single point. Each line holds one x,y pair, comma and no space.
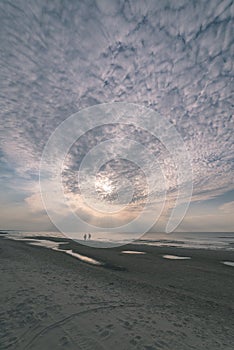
64,341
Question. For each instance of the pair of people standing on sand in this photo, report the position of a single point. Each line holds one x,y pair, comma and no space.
87,236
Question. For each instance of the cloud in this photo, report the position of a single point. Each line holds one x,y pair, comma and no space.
227,208
210,215
172,56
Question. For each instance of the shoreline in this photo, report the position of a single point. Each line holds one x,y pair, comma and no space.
153,303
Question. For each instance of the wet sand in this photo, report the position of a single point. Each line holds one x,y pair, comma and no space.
52,300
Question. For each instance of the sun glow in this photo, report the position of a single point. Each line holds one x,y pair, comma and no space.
104,186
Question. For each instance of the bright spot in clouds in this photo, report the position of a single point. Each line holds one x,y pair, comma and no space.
104,186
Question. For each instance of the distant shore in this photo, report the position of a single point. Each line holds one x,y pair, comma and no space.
50,300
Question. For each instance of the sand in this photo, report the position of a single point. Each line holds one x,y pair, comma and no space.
52,300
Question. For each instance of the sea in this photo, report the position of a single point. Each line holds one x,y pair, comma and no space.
195,240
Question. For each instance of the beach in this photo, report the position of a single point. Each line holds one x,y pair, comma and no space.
52,300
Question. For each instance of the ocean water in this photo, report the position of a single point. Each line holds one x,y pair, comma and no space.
199,240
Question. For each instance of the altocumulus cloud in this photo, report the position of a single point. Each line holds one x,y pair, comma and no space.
58,57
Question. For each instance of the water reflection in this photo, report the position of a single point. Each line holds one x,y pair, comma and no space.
228,263
81,257
176,257
132,252
55,246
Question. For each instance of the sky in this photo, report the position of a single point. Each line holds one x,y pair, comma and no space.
58,58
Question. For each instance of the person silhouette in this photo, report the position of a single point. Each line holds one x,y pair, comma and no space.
85,236
90,236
